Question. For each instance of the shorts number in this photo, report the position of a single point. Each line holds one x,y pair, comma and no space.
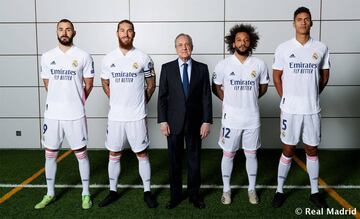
284,124
226,132
44,128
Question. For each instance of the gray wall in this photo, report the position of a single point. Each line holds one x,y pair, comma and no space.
27,29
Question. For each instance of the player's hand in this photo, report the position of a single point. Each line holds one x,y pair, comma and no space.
204,130
165,128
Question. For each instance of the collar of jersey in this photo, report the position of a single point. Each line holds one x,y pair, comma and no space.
128,53
307,44
67,52
247,60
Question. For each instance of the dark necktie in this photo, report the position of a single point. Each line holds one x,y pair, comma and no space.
185,79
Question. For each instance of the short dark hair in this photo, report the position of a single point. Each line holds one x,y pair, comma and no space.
65,21
125,21
246,28
302,10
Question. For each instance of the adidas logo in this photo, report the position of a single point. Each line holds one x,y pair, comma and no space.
84,139
232,74
112,65
292,56
144,142
53,63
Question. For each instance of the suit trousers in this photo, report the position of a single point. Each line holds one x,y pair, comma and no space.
176,151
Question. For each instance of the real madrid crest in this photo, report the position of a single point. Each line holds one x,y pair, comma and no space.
74,63
315,56
283,134
223,140
135,65
253,74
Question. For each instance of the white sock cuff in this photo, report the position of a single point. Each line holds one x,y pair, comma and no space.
143,158
81,155
250,153
229,154
312,158
285,160
114,158
51,154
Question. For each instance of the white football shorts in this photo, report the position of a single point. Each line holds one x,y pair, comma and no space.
230,138
121,132
293,125
75,132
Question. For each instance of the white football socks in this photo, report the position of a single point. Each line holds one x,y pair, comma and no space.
226,169
251,167
145,171
114,168
312,166
283,170
50,171
84,168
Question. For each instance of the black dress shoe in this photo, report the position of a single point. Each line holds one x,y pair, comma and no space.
172,204
198,203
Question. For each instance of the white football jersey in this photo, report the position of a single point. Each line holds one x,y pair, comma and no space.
127,74
300,79
241,82
65,71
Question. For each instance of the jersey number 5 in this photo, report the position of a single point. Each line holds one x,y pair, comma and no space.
283,127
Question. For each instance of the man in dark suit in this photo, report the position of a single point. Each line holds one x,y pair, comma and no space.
184,111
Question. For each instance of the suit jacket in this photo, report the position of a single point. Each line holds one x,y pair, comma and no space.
177,110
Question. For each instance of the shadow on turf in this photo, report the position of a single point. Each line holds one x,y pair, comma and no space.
96,192
129,159
343,161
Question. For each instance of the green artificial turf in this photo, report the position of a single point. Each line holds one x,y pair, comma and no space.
336,168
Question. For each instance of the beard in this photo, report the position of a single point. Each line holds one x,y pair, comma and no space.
243,53
66,42
127,45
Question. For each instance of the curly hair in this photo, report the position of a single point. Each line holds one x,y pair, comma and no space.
247,28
